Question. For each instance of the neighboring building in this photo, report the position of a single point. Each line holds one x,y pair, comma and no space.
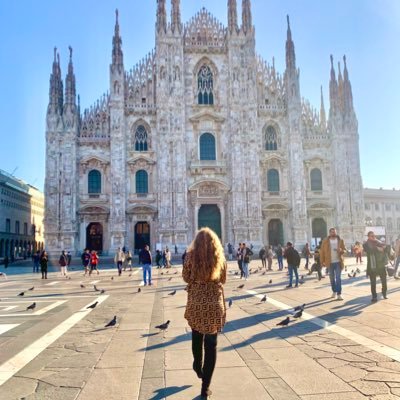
382,208
201,132
21,218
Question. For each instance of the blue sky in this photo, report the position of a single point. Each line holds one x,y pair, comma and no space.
367,31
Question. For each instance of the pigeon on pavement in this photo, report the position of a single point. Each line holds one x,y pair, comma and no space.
264,299
285,322
92,306
22,294
102,291
172,293
270,281
298,314
33,287
139,290
230,303
112,322
112,278
241,286
298,308
164,326
31,307
82,286
170,279
95,288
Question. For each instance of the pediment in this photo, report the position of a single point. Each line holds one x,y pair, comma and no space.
141,209
320,206
94,159
95,210
206,116
141,159
198,185
275,207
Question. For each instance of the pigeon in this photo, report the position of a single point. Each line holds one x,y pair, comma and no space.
298,314
92,306
31,307
102,291
264,272
236,273
162,273
33,287
298,308
230,303
270,281
170,279
167,272
82,286
22,294
176,272
358,270
284,322
345,268
355,274
112,322
164,326
172,293
69,278
139,290
352,271
112,278
241,286
264,299
95,288
349,275
130,275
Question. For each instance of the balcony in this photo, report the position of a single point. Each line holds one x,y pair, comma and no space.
200,167
94,198
318,194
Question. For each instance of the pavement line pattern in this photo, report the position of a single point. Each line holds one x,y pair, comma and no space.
7,327
355,337
38,312
16,363
7,308
52,283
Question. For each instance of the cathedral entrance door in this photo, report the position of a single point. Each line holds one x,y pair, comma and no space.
319,231
210,216
142,236
94,237
275,232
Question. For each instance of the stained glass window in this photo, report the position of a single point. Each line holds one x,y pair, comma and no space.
94,181
207,147
141,139
142,182
205,86
271,139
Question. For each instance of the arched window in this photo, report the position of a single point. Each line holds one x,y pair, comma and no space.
273,180
94,182
271,139
316,179
141,139
205,86
207,147
142,182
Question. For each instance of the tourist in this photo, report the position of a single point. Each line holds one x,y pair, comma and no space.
239,259
69,259
85,257
306,254
94,262
159,259
316,267
62,262
331,256
146,260
270,257
293,259
358,249
119,259
128,260
377,258
167,258
44,260
279,256
36,261
230,251
263,257
246,254
204,271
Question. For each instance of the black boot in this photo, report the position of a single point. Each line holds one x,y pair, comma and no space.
197,350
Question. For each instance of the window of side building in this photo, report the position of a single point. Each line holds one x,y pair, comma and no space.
8,225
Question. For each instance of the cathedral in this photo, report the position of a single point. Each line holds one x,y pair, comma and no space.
201,132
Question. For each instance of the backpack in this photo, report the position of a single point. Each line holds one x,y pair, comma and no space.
296,258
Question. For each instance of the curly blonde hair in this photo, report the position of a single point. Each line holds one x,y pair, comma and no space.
207,256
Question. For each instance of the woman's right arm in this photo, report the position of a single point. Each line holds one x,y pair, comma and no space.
186,269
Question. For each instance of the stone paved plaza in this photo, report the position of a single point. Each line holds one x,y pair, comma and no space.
346,350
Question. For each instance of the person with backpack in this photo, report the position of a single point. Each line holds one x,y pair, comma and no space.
85,257
293,259
246,254
263,257
279,256
62,262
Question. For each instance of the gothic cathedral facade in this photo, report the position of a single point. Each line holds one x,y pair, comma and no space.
201,132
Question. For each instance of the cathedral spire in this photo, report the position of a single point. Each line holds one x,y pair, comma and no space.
290,52
333,89
161,24
347,91
340,87
247,21
70,88
322,114
232,16
56,87
176,24
117,55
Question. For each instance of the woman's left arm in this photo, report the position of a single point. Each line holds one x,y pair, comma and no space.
223,274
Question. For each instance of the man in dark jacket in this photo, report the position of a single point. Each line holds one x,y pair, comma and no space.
293,259
146,260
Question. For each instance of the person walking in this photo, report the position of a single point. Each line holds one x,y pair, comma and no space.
85,257
94,262
230,251
62,262
69,259
44,261
316,267
358,250
331,256
263,257
239,259
306,254
146,260
279,256
119,259
246,254
270,257
158,259
293,259
204,271
36,261
377,258
167,258
128,260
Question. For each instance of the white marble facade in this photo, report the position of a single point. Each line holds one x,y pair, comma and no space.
202,131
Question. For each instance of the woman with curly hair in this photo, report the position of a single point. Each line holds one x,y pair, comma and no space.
204,270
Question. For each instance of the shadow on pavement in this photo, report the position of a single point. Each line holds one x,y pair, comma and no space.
161,394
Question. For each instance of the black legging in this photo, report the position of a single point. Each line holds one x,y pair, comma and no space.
381,272
210,356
